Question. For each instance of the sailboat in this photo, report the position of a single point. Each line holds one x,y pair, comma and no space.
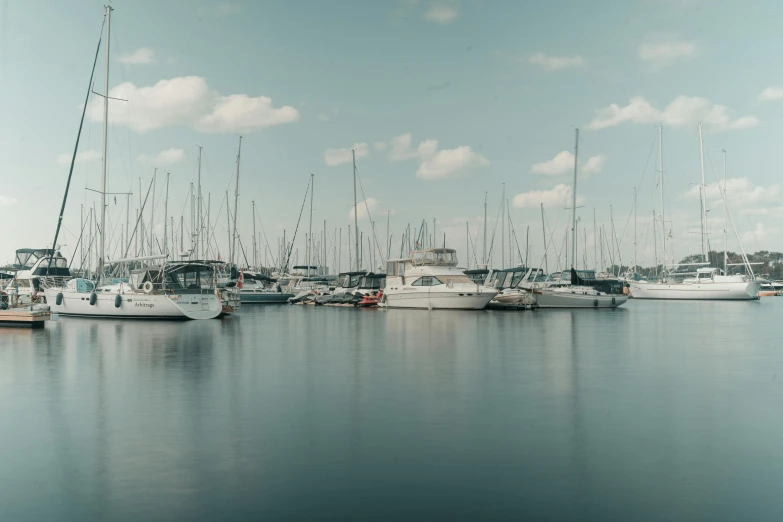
180,290
707,283
575,294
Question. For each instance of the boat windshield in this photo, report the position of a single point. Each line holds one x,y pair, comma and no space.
350,280
374,283
434,257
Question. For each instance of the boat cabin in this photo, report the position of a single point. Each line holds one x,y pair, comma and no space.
182,278
508,278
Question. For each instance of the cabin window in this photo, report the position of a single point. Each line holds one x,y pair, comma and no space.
391,269
400,269
427,281
517,278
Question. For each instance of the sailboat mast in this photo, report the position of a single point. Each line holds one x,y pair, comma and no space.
725,221
484,251
236,203
102,258
199,220
255,249
310,231
166,219
704,254
503,228
543,228
663,215
355,210
634,229
573,203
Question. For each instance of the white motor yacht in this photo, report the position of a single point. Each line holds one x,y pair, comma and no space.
430,279
34,265
169,291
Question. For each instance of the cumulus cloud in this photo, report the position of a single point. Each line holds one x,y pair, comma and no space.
555,63
188,101
6,201
563,163
434,164
362,206
560,194
401,148
164,157
684,110
441,12
139,56
335,157
662,53
760,233
86,156
594,165
737,189
379,145
448,162
771,93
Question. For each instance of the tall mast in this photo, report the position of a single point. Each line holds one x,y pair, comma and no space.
573,203
503,228
634,230
663,215
704,253
725,221
543,228
355,210
236,203
166,219
655,243
310,232
152,212
467,243
484,251
255,253
595,242
199,220
102,258
388,245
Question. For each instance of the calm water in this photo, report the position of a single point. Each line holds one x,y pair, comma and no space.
659,411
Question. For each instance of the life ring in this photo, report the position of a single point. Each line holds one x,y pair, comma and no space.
147,287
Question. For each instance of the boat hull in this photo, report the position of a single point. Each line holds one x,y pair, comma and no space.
264,297
565,300
135,306
718,291
440,300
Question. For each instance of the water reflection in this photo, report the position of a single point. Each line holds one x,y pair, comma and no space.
546,414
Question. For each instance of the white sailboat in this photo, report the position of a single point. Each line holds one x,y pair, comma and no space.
573,294
430,279
708,283
166,291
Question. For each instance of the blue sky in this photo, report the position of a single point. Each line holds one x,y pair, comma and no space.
443,99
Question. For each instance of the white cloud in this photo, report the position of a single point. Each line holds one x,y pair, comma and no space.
6,201
188,101
447,162
560,194
441,12
323,117
662,53
362,207
684,110
241,113
737,189
434,164
771,93
563,163
139,56
556,63
401,148
760,233
379,145
86,156
335,157
560,164
594,165
164,157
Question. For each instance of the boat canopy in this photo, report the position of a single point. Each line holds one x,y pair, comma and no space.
508,278
434,257
26,257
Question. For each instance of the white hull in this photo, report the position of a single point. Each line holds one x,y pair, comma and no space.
440,300
546,299
717,291
135,306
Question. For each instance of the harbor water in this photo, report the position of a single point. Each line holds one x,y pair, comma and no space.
654,411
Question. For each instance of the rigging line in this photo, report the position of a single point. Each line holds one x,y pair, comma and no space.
266,241
75,149
377,243
293,240
641,180
494,230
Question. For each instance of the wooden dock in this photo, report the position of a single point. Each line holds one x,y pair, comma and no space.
23,318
